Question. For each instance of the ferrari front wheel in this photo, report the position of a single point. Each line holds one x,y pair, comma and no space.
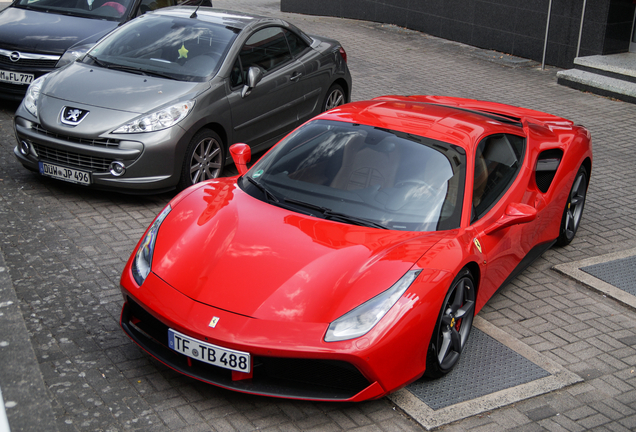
453,326
573,208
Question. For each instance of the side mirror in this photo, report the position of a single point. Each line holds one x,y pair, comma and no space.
241,155
254,76
515,214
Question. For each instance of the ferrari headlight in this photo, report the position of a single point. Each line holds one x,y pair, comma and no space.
158,120
32,95
360,320
143,258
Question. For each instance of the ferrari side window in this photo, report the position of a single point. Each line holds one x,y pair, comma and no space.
497,162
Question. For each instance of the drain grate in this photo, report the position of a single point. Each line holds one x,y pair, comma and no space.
620,273
486,366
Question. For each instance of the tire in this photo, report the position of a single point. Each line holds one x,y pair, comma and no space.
204,159
335,97
453,326
573,210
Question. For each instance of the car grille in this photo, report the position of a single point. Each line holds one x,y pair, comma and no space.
33,63
108,143
287,377
13,88
76,160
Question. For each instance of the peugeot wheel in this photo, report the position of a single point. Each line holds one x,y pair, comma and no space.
335,97
204,159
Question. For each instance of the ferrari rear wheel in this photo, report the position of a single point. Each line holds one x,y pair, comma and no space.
204,159
573,208
453,326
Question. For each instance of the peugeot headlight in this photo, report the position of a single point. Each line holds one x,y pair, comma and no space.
360,320
158,120
143,258
72,54
32,95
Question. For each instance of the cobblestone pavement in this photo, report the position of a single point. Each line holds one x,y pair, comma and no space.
64,248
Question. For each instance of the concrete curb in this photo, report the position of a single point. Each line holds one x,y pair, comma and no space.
573,271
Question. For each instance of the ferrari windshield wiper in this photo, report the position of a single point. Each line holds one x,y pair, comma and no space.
269,196
330,214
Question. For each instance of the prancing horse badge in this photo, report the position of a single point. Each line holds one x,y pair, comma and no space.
477,244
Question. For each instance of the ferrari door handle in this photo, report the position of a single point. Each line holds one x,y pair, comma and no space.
296,76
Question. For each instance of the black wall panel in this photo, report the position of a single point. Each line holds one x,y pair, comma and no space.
510,26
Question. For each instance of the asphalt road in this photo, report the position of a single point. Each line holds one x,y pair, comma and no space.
68,366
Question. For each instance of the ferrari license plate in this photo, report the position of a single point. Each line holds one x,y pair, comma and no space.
16,77
66,174
208,353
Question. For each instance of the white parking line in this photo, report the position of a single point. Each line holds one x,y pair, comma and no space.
4,422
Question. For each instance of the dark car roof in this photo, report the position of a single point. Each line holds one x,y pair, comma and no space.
234,19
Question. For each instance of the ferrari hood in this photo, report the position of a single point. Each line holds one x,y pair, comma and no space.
84,85
226,249
31,31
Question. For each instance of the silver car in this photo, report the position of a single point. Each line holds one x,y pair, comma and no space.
155,104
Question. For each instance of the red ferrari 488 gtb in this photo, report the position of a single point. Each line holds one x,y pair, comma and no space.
351,259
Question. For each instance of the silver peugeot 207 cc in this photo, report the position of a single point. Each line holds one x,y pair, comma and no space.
155,104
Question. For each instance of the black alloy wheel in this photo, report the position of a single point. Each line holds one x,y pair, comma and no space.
573,208
453,326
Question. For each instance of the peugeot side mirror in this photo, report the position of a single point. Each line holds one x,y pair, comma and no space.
254,76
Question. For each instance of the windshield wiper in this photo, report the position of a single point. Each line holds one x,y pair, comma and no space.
157,74
269,196
330,214
132,69
98,62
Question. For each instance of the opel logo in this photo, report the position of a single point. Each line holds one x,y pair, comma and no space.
14,56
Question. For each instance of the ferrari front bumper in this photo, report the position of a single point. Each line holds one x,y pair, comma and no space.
297,378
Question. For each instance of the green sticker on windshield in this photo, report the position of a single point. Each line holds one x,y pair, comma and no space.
183,52
257,174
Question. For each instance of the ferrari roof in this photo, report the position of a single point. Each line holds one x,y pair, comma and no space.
454,120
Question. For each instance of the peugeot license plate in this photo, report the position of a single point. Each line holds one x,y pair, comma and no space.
66,174
208,353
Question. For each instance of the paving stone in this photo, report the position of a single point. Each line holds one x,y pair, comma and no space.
65,247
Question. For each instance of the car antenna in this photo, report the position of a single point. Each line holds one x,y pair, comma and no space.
194,14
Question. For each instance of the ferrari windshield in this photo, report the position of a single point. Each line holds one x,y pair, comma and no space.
363,175
184,49
114,10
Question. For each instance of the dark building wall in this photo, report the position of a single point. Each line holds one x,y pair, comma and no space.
511,26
